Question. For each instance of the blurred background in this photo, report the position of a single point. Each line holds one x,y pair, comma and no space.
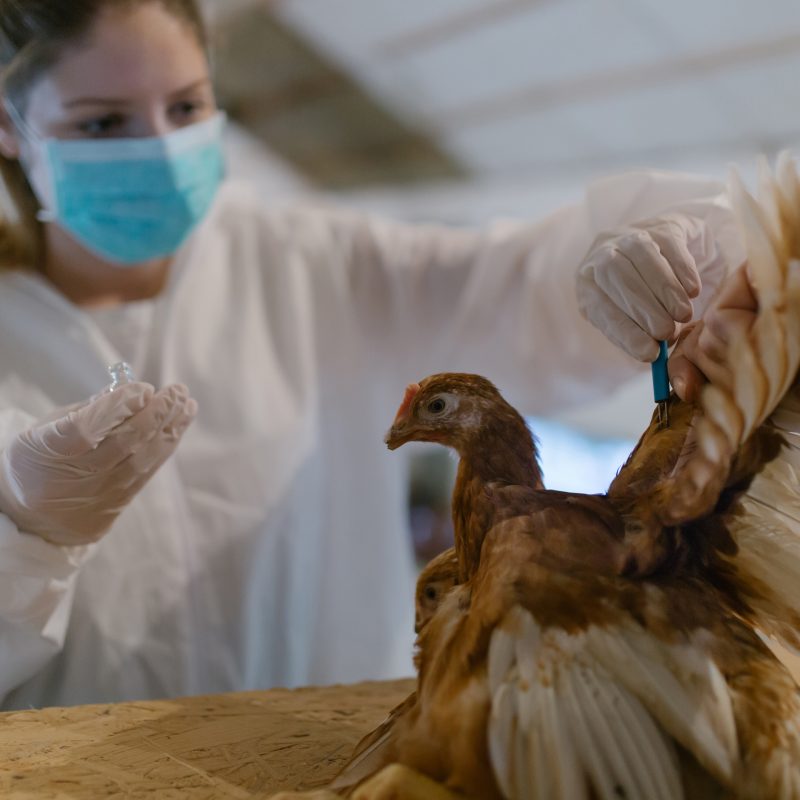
467,110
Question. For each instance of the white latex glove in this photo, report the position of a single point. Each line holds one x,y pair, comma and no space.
67,479
636,285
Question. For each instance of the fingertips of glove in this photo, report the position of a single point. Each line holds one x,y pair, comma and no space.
84,428
180,416
135,432
605,315
145,461
672,244
662,289
637,342
174,429
174,418
624,287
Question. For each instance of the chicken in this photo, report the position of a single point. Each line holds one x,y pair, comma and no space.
611,646
434,581
438,577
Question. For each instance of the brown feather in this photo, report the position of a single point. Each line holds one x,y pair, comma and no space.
640,599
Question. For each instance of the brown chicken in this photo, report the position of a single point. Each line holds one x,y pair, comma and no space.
434,582
612,646
438,577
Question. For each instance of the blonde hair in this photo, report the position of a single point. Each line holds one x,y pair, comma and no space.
33,34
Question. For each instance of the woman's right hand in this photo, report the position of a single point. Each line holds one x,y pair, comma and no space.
67,479
637,284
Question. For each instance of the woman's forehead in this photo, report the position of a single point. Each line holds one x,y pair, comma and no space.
129,53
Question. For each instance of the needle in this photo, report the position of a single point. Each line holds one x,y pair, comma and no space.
661,385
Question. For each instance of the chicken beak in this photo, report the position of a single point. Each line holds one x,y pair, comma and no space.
397,436
401,431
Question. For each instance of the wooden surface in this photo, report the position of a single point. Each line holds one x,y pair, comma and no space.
241,745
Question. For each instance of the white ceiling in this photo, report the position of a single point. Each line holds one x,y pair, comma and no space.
554,92
549,86
539,96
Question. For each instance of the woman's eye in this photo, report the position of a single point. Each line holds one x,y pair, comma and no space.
187,110
108,125
436,406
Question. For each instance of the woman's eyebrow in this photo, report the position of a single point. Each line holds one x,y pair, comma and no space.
92,101
191,86
113,101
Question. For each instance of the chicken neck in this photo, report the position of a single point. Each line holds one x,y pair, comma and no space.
502,451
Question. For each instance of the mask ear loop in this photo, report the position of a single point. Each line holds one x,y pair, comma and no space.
19,123
27,132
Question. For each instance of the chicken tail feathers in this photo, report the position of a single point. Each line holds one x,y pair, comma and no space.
763,403
765,524
767,358
374,751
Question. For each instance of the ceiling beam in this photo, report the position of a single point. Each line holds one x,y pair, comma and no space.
539,96
661,156
450,27
310,111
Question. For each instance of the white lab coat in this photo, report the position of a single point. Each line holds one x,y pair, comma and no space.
272,548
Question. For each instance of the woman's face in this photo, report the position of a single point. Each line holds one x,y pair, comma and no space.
140,72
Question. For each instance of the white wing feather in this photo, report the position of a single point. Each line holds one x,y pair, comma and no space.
598,711
765,522
768,358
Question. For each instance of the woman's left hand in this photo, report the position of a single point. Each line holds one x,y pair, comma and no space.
701,352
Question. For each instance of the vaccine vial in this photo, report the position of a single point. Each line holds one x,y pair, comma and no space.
120,373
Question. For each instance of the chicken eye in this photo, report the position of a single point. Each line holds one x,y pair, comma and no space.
430,592
436,406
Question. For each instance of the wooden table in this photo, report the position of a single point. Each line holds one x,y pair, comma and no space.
240,745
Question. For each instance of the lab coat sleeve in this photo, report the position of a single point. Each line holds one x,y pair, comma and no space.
37,582
502,301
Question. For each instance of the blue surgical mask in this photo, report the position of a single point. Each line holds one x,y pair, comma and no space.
129,200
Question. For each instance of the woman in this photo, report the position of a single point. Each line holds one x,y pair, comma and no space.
271,547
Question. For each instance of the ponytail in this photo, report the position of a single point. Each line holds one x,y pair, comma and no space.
20,230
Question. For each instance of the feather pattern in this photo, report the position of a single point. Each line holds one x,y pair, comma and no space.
576,720
610,646
765,521
767,358
765,524
682,689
